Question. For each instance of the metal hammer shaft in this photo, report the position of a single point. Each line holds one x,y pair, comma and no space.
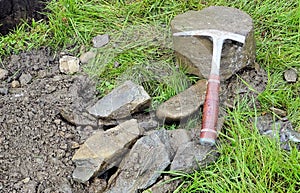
208,133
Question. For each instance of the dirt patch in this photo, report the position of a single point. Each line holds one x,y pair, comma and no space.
35,144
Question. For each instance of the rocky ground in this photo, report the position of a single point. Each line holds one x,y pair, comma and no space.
37,144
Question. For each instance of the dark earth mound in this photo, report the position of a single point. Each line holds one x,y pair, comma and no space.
13,11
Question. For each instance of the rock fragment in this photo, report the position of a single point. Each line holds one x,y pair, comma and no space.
104,150
183,105
68,64
196,52
25,78
3,90
78,118
291,75
121,102
191,155
100,40
3,74
87,56
141,167
15,84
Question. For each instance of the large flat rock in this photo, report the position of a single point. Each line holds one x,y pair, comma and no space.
103,150
141,167
124,100
183,105
196,52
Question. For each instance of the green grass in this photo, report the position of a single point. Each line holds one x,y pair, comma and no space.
141,45
249,162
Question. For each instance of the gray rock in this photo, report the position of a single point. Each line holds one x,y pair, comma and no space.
100,40
3,91
183,105
103,150
291,75
68,64
196,53
3,74
78,118
192,155
121,102
148,125
87,56
25,78
140,168
166,185
178,137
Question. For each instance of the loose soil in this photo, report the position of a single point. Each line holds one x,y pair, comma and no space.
36,144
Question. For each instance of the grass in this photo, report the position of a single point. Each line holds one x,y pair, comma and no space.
249,162
141,47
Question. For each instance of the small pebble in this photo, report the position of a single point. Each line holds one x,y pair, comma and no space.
74,145
100,40
279,112
26,180
3,74
4,91
15,84
291,75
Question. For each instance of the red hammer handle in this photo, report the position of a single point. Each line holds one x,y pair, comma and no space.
208,133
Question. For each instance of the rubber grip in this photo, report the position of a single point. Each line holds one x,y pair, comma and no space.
208,133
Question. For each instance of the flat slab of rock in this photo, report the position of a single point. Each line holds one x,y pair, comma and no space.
196,52
183,105
192,155
104,150
121,102
141,167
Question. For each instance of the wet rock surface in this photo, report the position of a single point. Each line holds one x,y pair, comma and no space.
196,52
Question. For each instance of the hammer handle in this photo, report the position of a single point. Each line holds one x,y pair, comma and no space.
208,133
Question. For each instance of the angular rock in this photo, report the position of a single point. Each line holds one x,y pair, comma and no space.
3,91
100,40
25,78
68,64
183,105
192,155
141,167
121,102
87,56
178,137
165,185
196,52
291,75
3,74
103,150
78,118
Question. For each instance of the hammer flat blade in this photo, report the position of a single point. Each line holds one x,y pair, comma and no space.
213,33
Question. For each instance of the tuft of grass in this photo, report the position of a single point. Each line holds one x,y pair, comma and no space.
249,162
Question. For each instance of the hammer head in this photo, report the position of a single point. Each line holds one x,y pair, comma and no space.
214,34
